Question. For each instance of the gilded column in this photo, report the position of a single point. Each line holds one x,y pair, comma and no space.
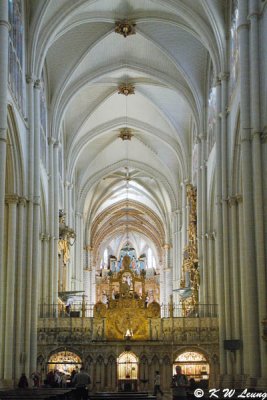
251,336
4,28
12,201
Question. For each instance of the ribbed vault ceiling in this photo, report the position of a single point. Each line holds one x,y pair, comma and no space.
166,60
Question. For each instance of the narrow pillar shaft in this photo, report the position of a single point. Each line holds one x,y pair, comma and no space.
219,233
36,228
257,171
235,278
205,291
225,226
28,295
55,220
10,293
4,27
20,271
251,336
52,284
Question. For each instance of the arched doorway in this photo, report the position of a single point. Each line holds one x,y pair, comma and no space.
194,365
64,362
127,371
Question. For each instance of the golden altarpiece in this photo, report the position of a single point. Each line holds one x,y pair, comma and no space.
124,340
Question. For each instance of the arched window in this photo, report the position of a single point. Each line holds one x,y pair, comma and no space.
16,76
43,120
234,52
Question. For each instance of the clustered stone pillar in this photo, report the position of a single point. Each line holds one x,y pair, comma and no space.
251,337
4,28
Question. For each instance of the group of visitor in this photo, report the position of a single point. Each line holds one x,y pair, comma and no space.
81,380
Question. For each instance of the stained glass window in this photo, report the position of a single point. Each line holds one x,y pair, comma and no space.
16,76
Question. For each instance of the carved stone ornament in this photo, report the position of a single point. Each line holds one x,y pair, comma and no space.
125,134
125,28
126,89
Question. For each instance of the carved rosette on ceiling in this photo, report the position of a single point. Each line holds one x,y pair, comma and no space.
126,89
125,134
125,28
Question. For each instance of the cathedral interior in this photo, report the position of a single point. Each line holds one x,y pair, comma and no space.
133,191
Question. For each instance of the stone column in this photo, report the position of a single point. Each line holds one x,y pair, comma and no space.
78,249
257,172
51,216
251,336
225,228
12,201
55,220
45,270
235,277
36,227
184,214
4,27
211,267
20,287
204,267
66,202
71,217
219,235
29,261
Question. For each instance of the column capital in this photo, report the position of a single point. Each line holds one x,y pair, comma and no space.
56,144
239,198
51,140
45,237
37,84
232,201
29,79
224,76
89,248
22,201
12,198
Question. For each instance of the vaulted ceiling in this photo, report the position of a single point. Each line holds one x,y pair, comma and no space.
166,61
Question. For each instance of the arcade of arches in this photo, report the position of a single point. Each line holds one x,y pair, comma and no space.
133,189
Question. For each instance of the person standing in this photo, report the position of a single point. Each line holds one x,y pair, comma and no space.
157,384
23,382
81,380
179,384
